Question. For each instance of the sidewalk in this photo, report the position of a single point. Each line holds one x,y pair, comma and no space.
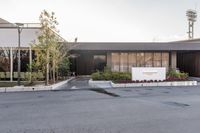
35,88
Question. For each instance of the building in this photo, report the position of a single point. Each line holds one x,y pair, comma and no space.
182,55
9,48
87,57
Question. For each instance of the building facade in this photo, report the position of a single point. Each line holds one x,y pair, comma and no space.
90,57
9,49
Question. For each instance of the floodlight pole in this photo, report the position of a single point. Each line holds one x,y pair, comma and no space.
18,54
192,16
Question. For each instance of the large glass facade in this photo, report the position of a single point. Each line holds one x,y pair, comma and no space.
140,59
148,59
132,62
123,62
115,60
24,60
99,62
157,62
9,63
165,60
5,63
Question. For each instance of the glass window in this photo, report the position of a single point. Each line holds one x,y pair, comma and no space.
24,54
24,60
157,60
149,59
140,60
5,63
99,62
124,62
4,60
132,60
115,61
165,60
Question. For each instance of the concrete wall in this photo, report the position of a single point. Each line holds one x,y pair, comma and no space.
9,37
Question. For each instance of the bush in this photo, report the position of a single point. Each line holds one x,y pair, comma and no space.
107,75
175,75
97,76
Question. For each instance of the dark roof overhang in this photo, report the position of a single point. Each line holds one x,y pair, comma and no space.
126,46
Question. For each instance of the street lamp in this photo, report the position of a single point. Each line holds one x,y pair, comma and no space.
19,27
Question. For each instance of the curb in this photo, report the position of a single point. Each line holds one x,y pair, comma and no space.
101,84
34,88
54,86
155,84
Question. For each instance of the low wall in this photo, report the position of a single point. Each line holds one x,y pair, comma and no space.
155,84
34,88
97,84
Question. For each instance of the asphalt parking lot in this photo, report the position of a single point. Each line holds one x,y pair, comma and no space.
123,110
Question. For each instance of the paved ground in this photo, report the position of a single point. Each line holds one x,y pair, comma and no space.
132,110
78,83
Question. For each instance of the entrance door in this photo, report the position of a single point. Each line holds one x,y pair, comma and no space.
99,62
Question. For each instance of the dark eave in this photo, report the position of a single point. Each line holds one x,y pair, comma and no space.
135,46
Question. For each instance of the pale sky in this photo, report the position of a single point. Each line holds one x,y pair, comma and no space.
109,20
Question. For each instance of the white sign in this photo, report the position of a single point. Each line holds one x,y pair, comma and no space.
148,73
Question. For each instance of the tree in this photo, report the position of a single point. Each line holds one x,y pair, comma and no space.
47,45
51,53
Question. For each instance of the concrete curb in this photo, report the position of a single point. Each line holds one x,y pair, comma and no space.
154,84
101,84
34,88
55,86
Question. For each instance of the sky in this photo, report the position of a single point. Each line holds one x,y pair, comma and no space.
109,20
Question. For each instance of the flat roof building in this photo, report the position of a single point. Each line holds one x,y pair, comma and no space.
88,57
119,56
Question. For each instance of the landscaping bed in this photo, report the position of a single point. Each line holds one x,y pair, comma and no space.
123,79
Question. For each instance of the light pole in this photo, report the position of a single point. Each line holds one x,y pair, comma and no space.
19,27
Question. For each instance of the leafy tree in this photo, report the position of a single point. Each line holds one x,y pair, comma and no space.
50,53
64,67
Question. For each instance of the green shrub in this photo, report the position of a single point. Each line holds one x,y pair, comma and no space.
173,74
97,76
115,76
107,75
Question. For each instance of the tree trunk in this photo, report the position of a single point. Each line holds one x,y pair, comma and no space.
54,71
50,73
47,69
57,74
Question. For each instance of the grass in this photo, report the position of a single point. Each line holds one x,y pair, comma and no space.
12,84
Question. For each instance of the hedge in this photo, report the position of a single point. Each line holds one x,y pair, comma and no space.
111,76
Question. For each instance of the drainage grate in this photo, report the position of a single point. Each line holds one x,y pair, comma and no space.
102,91
177,104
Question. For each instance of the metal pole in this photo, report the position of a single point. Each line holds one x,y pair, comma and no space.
30,63
11,64
19,60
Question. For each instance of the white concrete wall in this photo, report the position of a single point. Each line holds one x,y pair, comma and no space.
148,73
9,37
